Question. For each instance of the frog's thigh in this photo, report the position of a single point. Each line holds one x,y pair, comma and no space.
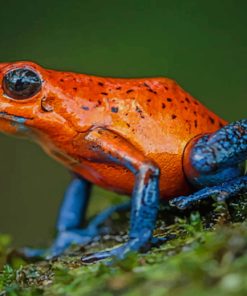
224,148
106,146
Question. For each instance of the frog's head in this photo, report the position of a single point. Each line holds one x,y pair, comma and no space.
28,101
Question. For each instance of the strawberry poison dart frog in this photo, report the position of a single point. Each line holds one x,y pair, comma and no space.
146,137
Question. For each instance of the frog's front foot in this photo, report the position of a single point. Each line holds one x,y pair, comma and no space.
141,243
221,192
80,237
64,240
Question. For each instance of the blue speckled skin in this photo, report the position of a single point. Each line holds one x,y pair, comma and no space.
225,148
217,161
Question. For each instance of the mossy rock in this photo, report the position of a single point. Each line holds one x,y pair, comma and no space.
207,257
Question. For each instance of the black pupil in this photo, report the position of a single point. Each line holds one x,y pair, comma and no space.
21,83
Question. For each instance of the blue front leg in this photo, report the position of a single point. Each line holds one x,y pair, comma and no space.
106,147
145,201
73,208
70,219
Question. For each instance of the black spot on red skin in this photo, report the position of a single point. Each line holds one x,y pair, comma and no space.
195,123
61,80
211,120
128,125
149,88
221,124
169,100
104,93
149,100
163,105
152,91
166,88
186,108
99,102
174,116
114,109
100,83
196,103
195,113
75,88
85,108
187,100
119,87
182,102
129,91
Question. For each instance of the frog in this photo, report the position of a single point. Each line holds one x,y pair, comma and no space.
147,138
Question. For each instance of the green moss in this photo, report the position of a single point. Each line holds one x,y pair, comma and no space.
207,257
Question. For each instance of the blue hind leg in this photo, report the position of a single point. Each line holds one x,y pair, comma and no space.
216,162
221,192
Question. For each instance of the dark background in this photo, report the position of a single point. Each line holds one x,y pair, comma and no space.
201,44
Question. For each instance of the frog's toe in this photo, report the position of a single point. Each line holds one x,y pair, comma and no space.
117,253
133,245
157,241
186,202
181,202
30,253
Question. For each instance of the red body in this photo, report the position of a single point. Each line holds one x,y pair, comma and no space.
155,115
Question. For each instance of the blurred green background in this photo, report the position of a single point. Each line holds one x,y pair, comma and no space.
201,44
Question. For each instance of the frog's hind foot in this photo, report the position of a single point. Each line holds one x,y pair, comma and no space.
221,192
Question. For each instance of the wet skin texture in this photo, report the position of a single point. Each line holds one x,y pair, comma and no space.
144,137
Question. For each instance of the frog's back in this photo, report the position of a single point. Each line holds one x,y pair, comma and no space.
173,111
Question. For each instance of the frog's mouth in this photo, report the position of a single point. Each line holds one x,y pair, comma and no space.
15,124
14,118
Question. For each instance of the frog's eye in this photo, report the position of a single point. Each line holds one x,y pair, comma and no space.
21,83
